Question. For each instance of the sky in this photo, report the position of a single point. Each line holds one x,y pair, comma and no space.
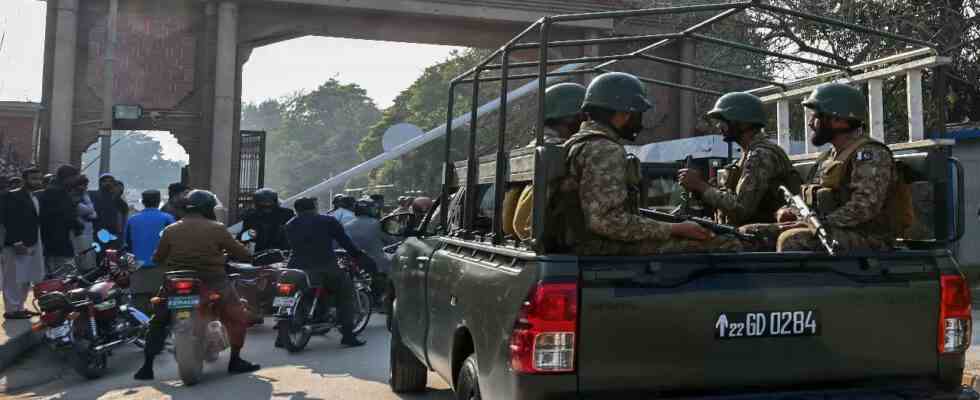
384,69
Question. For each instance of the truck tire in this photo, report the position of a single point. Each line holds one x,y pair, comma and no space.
407,373
468,382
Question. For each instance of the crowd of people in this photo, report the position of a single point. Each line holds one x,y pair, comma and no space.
46,220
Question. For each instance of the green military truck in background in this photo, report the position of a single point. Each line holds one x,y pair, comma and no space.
498,318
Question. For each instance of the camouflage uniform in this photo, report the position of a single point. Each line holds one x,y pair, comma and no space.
595,198
750,191
859,223
551,136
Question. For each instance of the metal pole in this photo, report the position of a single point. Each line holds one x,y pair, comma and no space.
105,133
472,168
542,83
503,162
447,176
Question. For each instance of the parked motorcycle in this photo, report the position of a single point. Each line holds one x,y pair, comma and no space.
198,334
303,307
88,314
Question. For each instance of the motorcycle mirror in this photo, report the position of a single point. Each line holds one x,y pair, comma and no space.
97,247
247,236
106,237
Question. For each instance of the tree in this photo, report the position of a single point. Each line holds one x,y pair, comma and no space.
312,136
137,160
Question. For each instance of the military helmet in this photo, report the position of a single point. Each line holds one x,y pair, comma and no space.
201,200
563,100
838,100
617,91
739,107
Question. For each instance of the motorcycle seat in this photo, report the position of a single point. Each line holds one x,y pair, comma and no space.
184,273
241,269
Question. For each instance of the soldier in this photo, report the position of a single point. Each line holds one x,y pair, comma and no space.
749,192
594,211
851,184
562,118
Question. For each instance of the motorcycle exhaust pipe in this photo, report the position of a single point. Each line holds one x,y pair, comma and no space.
107,346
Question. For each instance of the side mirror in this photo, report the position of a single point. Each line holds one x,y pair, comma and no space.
96,247
248,235
399,225
105,237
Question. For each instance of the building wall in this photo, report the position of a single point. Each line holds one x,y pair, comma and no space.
16,135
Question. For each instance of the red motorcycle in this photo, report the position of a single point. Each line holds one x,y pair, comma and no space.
88,314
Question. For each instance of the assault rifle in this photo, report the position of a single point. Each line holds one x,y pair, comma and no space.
796,202
718,229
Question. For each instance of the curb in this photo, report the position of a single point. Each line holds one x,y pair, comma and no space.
16,346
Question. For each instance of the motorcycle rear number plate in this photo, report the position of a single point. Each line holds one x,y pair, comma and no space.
183,302
767,324
283,301
58,332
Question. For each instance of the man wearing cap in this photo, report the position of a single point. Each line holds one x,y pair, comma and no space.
108,205
749,192
142,236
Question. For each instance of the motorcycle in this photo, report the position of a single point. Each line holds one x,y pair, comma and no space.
89,314
198,335
304,309
256,282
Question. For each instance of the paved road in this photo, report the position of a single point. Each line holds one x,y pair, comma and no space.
324,371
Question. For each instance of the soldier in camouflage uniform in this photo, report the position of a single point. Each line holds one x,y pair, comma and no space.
749,192
595,209
851,184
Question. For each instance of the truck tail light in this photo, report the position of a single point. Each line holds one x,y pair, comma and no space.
543,340
955,314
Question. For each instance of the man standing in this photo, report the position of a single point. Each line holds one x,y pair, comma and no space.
563,118
312,237
107,205
268,219
23,254
87,217
342,205
59,218
749,192
143,229
175,193
142,236
853,184
594,211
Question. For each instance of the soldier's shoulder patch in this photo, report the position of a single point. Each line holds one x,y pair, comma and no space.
865,155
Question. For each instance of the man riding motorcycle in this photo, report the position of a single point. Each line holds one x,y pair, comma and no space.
312,236
198,242
268,220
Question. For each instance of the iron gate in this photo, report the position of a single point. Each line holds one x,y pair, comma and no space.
252,170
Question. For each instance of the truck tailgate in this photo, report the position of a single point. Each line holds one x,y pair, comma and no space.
703,323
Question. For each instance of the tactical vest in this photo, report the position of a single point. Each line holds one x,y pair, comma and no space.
566,219
773,199
829,188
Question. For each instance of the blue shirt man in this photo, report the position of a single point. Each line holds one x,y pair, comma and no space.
142,231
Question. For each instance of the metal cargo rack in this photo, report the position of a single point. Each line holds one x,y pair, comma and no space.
536,165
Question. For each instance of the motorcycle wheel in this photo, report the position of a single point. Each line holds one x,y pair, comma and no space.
293,333
362,311
189,352
86,362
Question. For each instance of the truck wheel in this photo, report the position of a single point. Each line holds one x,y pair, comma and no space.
468,382
407,373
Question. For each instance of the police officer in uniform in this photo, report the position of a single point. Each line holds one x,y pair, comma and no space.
749,192
852,184
594,211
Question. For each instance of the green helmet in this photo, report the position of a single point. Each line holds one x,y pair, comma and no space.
563,100
838,100
618,91
739,107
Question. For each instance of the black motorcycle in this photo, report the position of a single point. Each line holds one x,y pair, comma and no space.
304,308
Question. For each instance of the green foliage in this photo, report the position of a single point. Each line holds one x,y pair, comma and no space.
137,160
312,136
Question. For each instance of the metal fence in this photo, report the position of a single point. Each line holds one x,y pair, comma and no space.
252,171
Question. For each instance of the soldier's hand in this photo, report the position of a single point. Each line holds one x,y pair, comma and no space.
690,230
785,215
692,180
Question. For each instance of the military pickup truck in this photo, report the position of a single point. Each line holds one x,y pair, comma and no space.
499,318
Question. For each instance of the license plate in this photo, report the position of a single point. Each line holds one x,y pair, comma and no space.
180,302
767,324
283,301
183,314
58,332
